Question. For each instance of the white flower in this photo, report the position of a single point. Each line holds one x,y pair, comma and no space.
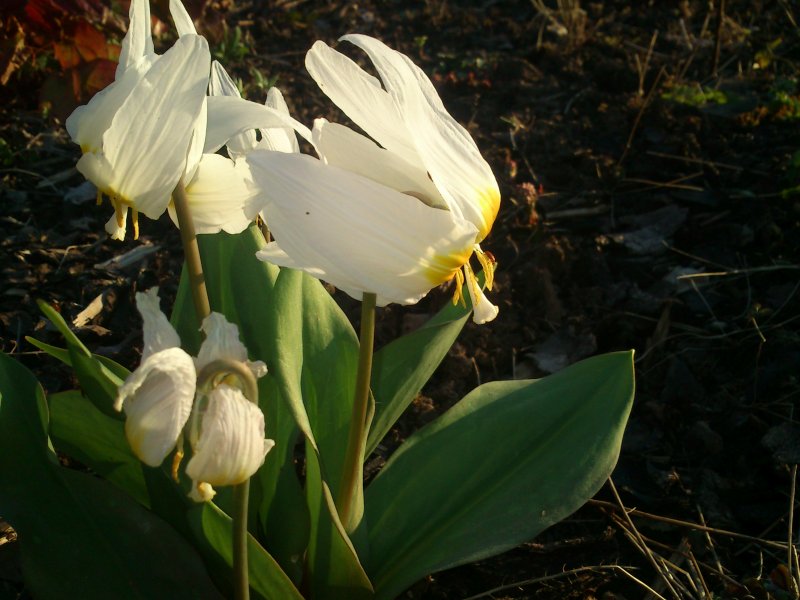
137,134
159,396
395,220
229,446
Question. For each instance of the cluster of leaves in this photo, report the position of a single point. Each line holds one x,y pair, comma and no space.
450,495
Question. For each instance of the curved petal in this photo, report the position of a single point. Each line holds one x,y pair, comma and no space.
183,22
228,116
158,332
146,144
222,341
221,196
340,146
231,446
282,139
87,124
138,41
483,311
357,234
195,151
361,97
221,84
157,399
446,149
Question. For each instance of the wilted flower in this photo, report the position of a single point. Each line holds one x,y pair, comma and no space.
227,433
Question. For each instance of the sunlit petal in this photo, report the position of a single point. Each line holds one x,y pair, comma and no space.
157,399
360,96
221,196
357,234
446,149
342,147
231,445
183,22
222,341
138,41
281,139
158,332
221,84
229,116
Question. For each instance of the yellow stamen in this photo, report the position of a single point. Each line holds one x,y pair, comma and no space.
119,210
472,285
99,197
135,217
458,294
176,460
488,265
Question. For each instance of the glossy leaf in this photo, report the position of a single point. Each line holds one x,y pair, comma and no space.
79,536
214,533
401,368
506,462
82,432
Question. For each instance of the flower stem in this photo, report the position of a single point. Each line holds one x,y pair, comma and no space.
241,585
241,493
354,459
191,251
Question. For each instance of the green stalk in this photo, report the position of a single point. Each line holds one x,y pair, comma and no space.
241,493
202,307
241,584
191,252
354,459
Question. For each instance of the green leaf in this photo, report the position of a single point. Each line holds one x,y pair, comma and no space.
334,567
506,462
81,431
98,376
79,536
214,533
401,368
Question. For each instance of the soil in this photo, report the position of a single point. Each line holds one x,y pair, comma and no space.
647,155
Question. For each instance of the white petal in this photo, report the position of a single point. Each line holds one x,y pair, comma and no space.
157,399
446,149
147,142
87,124
361,97
221,84
483,311
221,196
231,446
342,147
357,234
113,228
280,139
229,116
138,41
195,150
158,332
222,341
183,22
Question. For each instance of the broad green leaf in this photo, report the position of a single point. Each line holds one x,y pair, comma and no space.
214,534
335,572
81,431
401,368
79,536
506,462
315,368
